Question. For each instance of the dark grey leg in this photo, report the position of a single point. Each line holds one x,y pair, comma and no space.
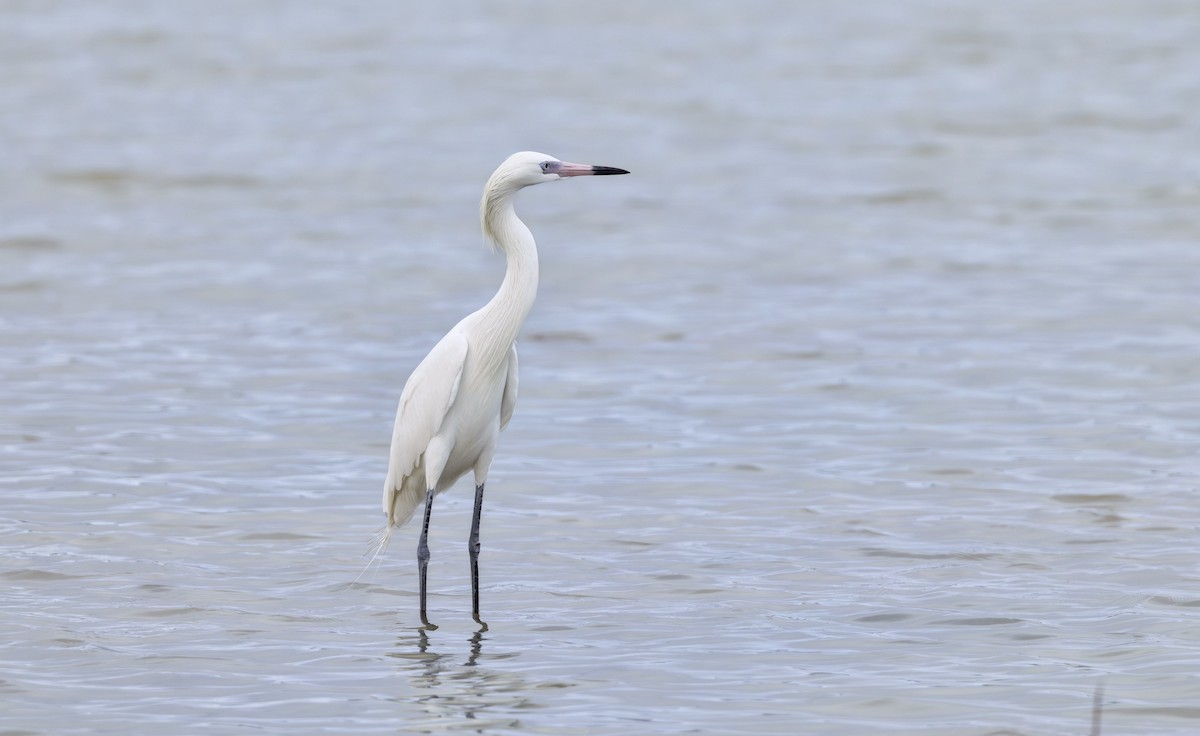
423,555
473,551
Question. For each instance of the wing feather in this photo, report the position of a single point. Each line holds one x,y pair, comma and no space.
509,401
424,404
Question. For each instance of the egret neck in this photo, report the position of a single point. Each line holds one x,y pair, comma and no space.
501,318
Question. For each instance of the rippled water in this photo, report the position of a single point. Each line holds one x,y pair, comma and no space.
868,404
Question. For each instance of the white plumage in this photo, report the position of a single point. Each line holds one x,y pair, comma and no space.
463,393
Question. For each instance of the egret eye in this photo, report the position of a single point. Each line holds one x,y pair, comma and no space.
545,167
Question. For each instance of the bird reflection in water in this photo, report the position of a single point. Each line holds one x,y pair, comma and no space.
476,642
450,689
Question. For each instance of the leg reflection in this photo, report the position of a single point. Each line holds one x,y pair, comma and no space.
447,689
476,648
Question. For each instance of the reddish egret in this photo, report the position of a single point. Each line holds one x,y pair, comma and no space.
463,393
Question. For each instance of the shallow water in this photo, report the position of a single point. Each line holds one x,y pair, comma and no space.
867,404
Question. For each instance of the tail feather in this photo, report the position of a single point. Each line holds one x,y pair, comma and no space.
400,500
376,548
399,503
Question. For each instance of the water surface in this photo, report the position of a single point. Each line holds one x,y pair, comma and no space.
867,404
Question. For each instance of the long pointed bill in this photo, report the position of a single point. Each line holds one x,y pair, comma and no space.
565,169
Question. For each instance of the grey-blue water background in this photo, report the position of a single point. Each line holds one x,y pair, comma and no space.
869,403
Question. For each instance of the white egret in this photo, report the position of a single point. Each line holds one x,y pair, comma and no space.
462,394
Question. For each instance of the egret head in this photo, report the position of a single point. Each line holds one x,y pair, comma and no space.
525,169
529,167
